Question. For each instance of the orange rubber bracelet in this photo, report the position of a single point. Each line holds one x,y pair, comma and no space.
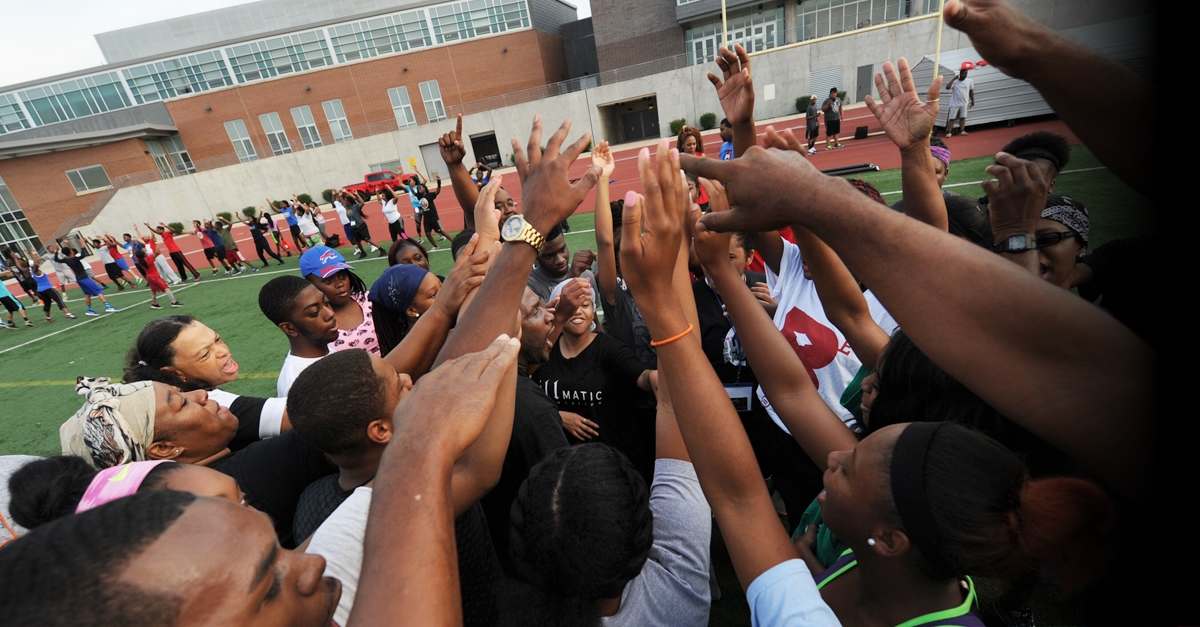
672,338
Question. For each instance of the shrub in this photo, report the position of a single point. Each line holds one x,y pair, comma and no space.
176,227
304,198
842,96
708,121
250,212
802,104
677,126
327,195
226,216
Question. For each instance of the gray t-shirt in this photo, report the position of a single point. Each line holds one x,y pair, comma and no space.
672,588
835,109
814,122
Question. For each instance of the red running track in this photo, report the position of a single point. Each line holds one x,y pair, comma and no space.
876,148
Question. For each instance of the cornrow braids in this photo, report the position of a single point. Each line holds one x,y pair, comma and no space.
581,529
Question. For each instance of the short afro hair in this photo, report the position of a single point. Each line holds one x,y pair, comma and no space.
1041,145
66,572
278,296
332,402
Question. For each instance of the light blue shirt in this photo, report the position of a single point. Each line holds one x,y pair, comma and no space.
786,595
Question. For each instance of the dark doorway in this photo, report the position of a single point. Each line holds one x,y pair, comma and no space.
866,79
487,151
631,120
639,125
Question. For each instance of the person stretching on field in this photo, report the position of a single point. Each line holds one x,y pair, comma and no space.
74,261
48,294
181,262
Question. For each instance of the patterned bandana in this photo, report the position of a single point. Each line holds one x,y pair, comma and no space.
1068,212
397,286
941,154
115,424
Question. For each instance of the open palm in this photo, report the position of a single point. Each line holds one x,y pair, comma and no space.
735,89
905,119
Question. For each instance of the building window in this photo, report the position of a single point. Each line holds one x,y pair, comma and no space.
396,166
821,18
15,231
755,29
466,20
241,141
176,77
89,179
12,118
273,127
433,101
336,116
382,35
303,118
403,107
75,98
170,157
279,55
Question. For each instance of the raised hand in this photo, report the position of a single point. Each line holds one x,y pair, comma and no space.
735,89
1004,36
464,388
905,119
547,193
582,260
1016,197
602,158
712,247
653,225
467,274
573,295
487,217
752,183
451,145
578,426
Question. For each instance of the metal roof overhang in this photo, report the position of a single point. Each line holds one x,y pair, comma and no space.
60,143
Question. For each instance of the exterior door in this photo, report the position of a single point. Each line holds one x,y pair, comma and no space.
433,161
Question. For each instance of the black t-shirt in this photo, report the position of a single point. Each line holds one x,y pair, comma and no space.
248,410
600,384
1121,271
274,473
715,327
537,432
623,320
316,503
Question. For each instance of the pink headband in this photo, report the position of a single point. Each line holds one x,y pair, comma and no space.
116,482
941,154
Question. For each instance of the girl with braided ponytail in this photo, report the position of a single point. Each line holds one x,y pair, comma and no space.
591,546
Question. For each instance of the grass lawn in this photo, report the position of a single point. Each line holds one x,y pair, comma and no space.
38,366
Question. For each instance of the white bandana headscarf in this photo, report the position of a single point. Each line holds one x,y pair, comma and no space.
115,424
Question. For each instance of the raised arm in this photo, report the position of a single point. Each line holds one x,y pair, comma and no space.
909,123
1079,78
606,252
724,462
735,90
1041,356
780,372
410,569
453,151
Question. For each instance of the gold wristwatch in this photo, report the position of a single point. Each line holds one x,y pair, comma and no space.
516,229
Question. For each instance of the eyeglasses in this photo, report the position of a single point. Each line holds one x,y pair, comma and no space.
1046,240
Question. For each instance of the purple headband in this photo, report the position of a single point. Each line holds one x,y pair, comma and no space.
116,482
941,154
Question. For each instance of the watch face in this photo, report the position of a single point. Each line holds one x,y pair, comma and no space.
512,227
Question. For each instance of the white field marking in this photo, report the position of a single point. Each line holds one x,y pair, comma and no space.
978,182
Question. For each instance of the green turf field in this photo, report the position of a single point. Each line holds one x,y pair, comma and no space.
38,366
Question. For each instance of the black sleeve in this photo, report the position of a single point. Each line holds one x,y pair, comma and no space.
248,410
619,360
274,473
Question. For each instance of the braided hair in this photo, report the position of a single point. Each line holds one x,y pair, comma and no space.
581,529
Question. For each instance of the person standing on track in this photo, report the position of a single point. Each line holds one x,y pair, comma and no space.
832,108
181,262
812,124
962,97
232,254
110,265
48,294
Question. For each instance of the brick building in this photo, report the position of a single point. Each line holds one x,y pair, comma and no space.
255,81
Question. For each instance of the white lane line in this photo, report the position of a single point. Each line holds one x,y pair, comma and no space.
978,182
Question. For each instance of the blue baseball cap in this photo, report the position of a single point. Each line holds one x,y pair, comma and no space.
322,261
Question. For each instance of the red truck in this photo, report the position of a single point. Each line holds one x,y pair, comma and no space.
376,181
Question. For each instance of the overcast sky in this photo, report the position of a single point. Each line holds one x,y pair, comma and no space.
43,40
